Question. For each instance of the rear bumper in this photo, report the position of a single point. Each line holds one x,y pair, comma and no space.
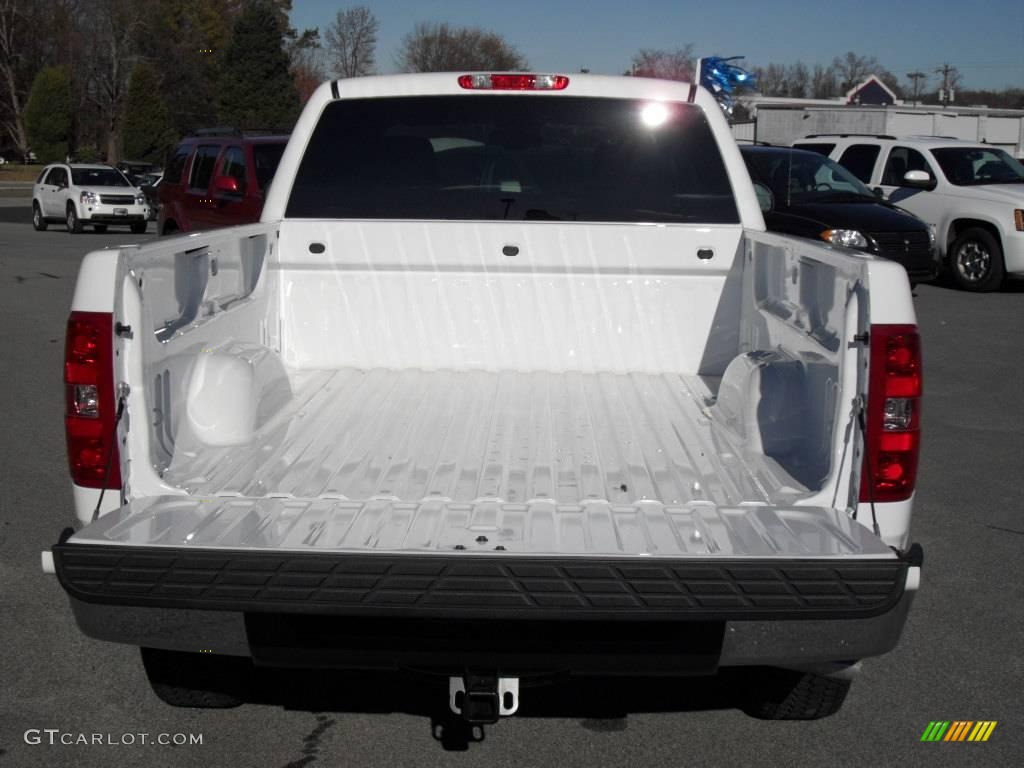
279,609
475,586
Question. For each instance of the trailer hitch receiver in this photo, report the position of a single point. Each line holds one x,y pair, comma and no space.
482,697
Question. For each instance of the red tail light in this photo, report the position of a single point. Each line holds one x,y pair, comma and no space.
514,82
892,442
90,413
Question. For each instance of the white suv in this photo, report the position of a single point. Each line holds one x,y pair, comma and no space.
97,195
973,194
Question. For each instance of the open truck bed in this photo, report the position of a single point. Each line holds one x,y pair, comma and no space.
622,483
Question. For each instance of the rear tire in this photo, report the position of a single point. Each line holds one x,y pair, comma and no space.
74,223
139,228
196,680
976,261
100,228
38,220
170,228
782,694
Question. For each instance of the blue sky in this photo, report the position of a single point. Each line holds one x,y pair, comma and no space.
984,39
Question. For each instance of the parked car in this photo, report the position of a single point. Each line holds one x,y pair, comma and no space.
508,381
813,196
135,170
972,193
87,195
149,183
217,178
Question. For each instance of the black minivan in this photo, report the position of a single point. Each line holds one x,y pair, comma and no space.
804,193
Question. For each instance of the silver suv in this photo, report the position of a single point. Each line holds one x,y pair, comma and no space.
97,195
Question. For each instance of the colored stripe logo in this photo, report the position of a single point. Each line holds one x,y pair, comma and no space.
959,730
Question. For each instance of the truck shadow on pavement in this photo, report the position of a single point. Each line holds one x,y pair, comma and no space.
601,704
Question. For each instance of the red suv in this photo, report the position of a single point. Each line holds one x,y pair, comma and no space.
217,178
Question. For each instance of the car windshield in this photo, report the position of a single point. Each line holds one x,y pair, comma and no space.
796,177
518,158
98,177
971,166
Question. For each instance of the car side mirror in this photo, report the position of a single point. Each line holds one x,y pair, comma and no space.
227,185
918,180
765,198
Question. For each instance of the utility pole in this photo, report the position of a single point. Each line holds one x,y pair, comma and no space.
917,77
949,78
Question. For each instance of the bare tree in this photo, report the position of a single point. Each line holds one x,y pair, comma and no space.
443,48
823,82
12,94
112,29
798,79
679,64
851,69
351,42
771,80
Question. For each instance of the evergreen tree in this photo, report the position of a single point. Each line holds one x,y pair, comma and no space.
188,38
148,133
256,88
48,114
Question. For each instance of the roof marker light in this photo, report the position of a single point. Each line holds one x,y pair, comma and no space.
486,82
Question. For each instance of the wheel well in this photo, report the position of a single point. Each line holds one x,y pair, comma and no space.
959,226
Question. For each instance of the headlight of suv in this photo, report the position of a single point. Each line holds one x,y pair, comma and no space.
849,238
140,199
89,198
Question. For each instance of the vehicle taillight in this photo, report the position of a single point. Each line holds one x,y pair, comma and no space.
514,82
893,417
90,410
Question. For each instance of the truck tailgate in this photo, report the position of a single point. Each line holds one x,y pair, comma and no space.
387,558
515,494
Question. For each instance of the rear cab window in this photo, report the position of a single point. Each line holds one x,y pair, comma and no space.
522,158
859,159
202,167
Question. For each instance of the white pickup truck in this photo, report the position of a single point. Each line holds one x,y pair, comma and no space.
508,382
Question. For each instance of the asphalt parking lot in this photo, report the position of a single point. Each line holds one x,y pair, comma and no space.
960,657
